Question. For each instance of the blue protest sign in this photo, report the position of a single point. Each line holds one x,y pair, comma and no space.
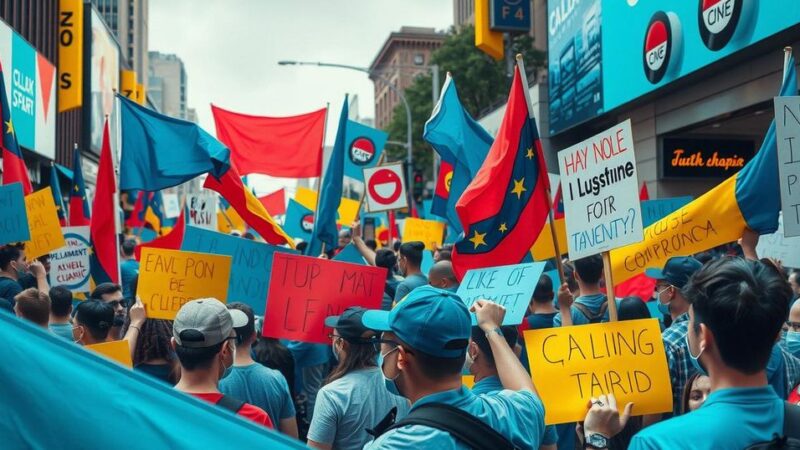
299,221
250,268
427,262
13,216
364,148
350,254
653,210
509,286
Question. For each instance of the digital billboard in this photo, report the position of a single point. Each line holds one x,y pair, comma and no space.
104,68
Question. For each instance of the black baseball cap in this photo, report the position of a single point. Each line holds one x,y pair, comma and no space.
348,324
676,271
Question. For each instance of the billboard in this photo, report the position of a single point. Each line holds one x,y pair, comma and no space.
104,68
646,45
30,82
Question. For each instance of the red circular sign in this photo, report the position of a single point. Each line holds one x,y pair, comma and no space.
385,186
362,151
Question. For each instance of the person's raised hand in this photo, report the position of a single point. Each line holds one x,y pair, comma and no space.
489,314
355,229
37,269
604,418
749,241
138,313
565,298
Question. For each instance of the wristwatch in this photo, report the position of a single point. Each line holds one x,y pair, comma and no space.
596,441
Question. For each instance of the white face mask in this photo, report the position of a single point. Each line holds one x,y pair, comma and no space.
468,362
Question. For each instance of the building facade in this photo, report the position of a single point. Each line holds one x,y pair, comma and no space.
405,55
463,13
168,84
128,20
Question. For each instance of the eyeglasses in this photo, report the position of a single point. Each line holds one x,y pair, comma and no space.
332,336
377,343
115,303
794,326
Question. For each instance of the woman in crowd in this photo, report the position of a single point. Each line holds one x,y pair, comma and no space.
154,355
697,389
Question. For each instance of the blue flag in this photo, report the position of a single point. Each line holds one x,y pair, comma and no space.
325,230
159,152
460,141
364,147
299,221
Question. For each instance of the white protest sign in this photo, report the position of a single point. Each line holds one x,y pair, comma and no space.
203,210
776,245
601,193
69,265
172,207
787,130
384,187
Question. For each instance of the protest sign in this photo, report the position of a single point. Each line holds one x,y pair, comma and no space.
69,265
429,232
348,208
787,129
13,216
118,351
45,229
170,278
350,254
298,222
251,263
509,286
384,188
303,291
601,192
570,365
653,210
778,246
203,210
172,207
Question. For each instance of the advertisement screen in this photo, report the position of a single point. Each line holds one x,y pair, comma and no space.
646,44
105,80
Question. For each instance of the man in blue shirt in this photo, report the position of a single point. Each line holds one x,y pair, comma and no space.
128,269
409,264
423,347
591,306
736,313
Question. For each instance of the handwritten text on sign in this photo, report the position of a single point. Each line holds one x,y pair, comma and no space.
570,365
170,278
776,245
43,223
429,232
509,286
13,217
787,129
203,210
69,265
601,192
304,291
251,263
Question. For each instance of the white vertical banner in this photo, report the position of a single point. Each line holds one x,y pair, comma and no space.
787,130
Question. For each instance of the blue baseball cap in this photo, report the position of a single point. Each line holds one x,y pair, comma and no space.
431,320
676,271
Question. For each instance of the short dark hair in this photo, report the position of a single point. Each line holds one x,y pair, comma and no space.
385,258
60,301
245,332
34,305
128,247
590,269
193,358
104,289
8,253
96,316
396,246
437,368
301,246
445,255
744,305
543,292
412,251
632,308
249,236
510,333
372,244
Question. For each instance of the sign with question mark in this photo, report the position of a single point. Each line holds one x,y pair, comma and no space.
601,192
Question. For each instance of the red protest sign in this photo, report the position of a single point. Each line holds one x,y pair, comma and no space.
303,291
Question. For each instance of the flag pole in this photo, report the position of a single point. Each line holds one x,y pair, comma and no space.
787,54
319,180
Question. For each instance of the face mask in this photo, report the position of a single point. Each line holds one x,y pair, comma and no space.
229,369
468,362
335,350
390,383
663,308
695,359
793,342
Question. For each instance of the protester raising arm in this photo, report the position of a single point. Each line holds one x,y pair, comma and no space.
509,369
365,251
37,270
137,316
749,241
565,300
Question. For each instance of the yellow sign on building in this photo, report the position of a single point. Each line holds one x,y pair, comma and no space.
70,54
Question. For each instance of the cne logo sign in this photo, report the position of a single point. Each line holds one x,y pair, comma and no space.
718,20
662,44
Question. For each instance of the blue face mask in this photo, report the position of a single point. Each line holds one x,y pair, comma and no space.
663,308
695,359
793,342
390,384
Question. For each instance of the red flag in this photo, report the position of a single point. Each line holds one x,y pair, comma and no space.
103,228
170,241
231,188
643,194
278,146
275,203
641,285
136,218
14,170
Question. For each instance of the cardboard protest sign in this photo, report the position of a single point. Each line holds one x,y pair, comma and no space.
118,351
350,254
384,188
13,216
172,207
45,230
170,278
69,265
303,291
251,263
509,286
569,365
653,210
348,208
787,129
429,232
203,210
601,192
778,246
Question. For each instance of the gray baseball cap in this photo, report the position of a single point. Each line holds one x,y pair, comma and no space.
205,322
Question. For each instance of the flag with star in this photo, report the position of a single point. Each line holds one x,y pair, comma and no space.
504,207
14,170
55,184
78,204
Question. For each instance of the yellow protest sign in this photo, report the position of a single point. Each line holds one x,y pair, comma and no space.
429,232
45,229
570,365
348,208
170,278
118,351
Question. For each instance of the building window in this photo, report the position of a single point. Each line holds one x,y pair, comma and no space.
419,59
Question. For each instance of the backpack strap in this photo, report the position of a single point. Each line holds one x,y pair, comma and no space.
791,421
463,426
591,316
231,404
